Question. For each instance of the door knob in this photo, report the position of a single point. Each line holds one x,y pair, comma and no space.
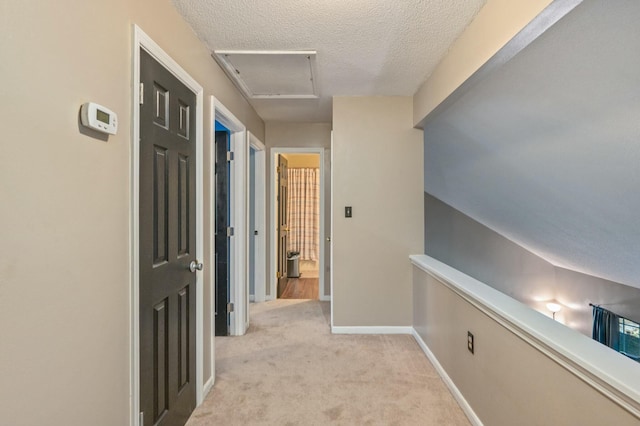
195,265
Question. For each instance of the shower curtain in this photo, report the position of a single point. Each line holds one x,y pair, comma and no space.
303,211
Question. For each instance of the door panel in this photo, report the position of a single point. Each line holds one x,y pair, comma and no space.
161,205
283,228
183,337
184,173
221,238
161,358
167,247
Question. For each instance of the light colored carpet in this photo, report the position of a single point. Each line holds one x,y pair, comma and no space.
290,370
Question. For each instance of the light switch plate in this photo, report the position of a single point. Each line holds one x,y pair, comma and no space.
348,211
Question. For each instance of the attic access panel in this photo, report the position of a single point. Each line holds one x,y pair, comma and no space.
271,74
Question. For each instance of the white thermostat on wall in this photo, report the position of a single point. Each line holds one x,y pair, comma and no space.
99,118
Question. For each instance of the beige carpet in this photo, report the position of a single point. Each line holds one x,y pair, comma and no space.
289,370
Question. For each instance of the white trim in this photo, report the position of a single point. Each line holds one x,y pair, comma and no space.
468,411
372,330
274,214
260,209
325,298
221,57
209,384
253,96
212,240
252,298
610,373
265,52
256,143
238,283
331,235
143,41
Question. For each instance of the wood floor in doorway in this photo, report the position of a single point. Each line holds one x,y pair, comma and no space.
301,288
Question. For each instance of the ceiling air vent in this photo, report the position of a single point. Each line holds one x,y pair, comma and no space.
271,74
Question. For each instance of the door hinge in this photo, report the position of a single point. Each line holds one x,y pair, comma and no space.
278,169
230,231
278,274
141,93
229,308
141,419
229,156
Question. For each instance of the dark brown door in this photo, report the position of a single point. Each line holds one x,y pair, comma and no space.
167,246
221,238
283,228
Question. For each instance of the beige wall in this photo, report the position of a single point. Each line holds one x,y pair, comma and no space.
378,171
64,224
496,23
303,160
299,135
506,381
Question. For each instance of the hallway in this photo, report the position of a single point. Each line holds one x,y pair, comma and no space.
289,369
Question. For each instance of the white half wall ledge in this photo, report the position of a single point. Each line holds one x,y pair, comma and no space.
612,374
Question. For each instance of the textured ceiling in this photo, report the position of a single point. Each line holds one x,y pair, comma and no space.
546,149
365,47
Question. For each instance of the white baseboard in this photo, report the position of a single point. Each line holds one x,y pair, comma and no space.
325,298
468,411
207,387
372,330
252,298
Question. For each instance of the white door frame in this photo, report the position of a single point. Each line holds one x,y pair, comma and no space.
331,233
260,209
274,222
143,41
239,220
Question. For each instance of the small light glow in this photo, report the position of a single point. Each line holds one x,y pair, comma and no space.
554,307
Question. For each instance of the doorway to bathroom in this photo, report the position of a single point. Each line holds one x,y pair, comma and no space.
298,224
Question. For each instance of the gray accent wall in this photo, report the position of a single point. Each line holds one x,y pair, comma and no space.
544,148
465,244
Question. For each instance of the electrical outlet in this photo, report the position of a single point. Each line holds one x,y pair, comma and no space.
470,341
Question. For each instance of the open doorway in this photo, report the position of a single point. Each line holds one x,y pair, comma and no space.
232,308
222,250
298,223
257,220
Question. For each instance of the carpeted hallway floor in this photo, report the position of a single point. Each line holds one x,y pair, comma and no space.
290,370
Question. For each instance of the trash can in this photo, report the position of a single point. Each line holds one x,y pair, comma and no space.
293,264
